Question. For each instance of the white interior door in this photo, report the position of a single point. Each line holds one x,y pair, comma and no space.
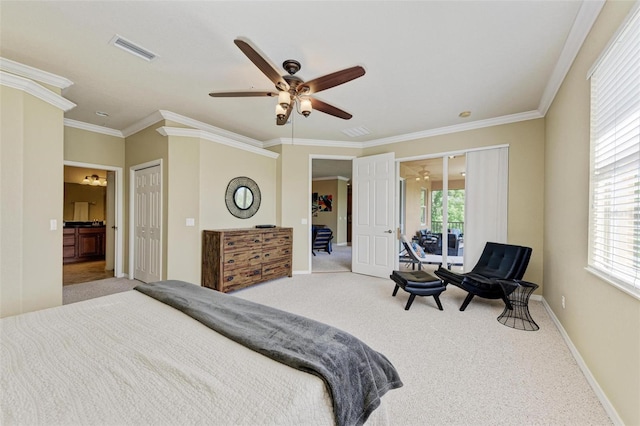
148,223
110,234
373,200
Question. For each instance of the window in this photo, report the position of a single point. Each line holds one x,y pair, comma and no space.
423,206
614,216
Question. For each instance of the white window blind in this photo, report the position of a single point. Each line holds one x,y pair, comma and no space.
614,228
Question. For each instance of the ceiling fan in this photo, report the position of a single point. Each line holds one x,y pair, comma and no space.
292,91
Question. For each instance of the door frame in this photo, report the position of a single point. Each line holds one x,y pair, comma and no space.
309,192
118,270
132,212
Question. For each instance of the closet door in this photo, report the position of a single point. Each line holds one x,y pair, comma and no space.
148,224
487,179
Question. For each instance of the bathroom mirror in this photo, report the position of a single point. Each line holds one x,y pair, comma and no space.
242,197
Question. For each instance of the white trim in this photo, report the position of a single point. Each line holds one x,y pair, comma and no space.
132,213
311,142
119,211
92,128
33,88
34,73
168,115
589,11
332,178
506,119
613,38
606,404
142,124
625,288
195,133
448,153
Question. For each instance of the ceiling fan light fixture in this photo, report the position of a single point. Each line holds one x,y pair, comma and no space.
284,99
280,112
305,106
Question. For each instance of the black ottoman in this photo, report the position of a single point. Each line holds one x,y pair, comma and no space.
418,283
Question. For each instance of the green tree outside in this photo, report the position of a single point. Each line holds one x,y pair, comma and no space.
456,207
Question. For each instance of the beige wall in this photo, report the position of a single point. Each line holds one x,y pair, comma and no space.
294,186
602,322
329,219
526,168
183,242
412,206
31,183
93,148
145,146
336,219
94,195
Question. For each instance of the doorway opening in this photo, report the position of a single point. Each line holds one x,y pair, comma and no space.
330,214
90,251
433,208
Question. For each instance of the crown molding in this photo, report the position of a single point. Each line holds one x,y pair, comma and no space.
505,119
311,142
33,88
346,179
34,74
142,124
201,134
92,128
587,15
168,115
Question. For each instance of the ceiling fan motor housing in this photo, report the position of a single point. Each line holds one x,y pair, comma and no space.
291,66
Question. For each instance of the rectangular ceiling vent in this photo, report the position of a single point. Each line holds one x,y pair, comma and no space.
133,48
356,131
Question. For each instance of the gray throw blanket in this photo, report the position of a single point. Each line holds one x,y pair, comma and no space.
356,375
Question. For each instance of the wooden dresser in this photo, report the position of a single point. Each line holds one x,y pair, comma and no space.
236,258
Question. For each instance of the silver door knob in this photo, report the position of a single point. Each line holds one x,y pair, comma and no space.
389,231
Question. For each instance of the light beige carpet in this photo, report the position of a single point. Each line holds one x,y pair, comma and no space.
338,261
458,368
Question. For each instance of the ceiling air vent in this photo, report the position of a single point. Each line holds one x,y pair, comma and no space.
132,48
356,131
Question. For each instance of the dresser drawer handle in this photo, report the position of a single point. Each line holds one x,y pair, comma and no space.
266,255
257,256
229,278
230,243
256,241
231,261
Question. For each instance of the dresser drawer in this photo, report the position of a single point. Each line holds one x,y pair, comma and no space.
233,241
241,259
276,252
242,277
276,269
277,238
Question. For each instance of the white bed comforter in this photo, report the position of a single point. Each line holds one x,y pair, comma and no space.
129,359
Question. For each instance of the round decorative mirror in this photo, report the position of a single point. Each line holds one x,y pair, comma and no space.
242,197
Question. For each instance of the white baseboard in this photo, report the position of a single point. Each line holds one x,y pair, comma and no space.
608,407
301,272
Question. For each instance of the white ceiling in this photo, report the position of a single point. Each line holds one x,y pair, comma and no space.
425,61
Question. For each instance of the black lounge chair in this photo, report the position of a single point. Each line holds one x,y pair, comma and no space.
497,262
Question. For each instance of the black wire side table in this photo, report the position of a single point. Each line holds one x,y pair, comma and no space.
518,317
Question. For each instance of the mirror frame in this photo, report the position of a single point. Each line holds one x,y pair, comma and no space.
229,197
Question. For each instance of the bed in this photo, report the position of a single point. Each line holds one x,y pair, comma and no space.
130,358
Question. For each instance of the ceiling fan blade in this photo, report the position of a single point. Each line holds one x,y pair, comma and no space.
240,94
283,121
334,79
321,106
262,64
